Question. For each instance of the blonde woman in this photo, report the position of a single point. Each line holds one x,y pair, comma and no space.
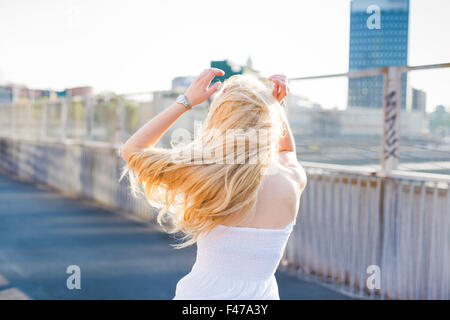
238,205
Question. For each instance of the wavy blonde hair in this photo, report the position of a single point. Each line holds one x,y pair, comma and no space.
196,186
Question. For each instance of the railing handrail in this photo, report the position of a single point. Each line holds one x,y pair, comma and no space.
371,72
338,168
413,175
370,171
362,170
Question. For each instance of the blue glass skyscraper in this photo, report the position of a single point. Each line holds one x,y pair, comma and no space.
376,48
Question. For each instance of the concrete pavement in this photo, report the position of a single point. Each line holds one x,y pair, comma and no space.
43,232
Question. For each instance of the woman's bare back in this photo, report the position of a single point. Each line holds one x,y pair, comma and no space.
278,197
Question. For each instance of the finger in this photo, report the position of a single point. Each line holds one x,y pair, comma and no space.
275,90
218,72
204,72
279,80
282,76
282,92
278,76
214,88
210,73
275,80
281,84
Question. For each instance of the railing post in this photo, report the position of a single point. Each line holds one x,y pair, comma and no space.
391,117
389,158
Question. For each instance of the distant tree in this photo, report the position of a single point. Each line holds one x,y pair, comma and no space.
439,120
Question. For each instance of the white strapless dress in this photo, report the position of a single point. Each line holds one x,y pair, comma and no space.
235,263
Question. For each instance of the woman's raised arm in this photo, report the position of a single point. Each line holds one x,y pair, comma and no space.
149,134
280,91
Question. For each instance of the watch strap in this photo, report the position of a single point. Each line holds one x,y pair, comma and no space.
184,101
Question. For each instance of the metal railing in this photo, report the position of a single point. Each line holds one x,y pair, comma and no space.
349,221
86,169
108,118
350,218
354,220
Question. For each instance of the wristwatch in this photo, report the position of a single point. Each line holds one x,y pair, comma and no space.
184,101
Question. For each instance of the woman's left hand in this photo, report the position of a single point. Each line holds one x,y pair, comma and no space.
280,88
199,89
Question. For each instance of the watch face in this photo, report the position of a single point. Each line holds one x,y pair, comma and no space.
182,99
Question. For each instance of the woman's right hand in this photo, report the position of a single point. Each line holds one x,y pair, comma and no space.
199,89
280,88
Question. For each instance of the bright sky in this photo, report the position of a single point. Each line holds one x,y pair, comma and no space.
129,46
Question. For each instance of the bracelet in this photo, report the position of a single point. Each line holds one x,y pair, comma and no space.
283,103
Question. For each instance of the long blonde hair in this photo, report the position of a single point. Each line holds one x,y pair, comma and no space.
195,185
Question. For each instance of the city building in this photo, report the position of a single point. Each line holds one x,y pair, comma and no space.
6,94
378,38
80,92
351,123
180,84
228,67
61,94
417,100
13,93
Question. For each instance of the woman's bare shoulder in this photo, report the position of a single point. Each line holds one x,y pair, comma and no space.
288,161
284,183
278,198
